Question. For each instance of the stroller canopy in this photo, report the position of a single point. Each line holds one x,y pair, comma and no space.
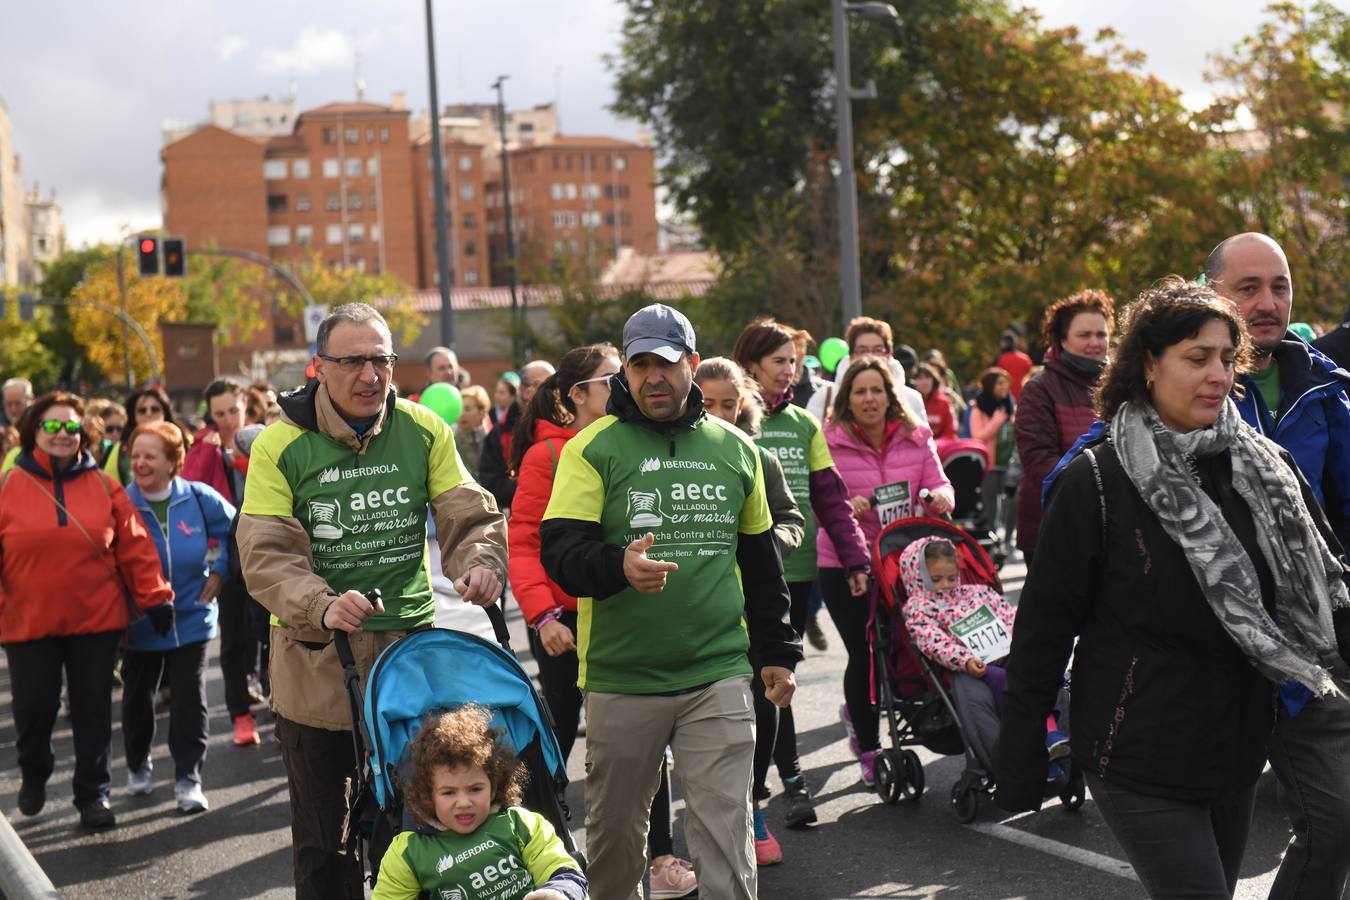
440,669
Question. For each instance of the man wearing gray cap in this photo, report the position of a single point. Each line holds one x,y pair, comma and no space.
656,508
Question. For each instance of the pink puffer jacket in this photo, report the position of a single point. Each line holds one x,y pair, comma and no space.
930,614
904,457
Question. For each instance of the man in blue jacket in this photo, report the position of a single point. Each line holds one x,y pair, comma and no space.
1297,397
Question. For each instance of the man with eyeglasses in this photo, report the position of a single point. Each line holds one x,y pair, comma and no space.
492,473
336,506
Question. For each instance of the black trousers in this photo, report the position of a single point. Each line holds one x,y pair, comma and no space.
558,683
775,729
35,669
319,765
850,615
238,646
184,669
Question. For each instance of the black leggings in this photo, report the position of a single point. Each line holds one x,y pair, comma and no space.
850,615
558,680
775,730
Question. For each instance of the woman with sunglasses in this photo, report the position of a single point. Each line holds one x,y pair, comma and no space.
147,405
74,558
564,404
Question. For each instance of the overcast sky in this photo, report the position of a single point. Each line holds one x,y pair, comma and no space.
88,93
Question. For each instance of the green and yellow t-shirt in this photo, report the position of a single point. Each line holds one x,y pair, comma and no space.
695,490
512,853
366,514
794,436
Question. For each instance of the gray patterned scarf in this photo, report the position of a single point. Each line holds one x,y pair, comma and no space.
1308,585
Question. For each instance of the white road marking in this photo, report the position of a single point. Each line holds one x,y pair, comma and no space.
1099,861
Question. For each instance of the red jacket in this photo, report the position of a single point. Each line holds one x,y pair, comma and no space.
53,582
205,463
940,419
1018,365
535,591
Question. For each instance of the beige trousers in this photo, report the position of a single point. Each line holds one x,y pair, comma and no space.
712,735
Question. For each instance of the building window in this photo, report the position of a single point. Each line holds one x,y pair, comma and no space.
375,232
384,134
274,168
304,235
567,162
353,167
570,191
333,234
465,163
330,135
590,191
571,220
332,202
590,219
351,134
555,191
375,266
471,277
276,203
330,168
370,135
470,248
359,264
620,162
555,162
356,233
372,167
278,235
470,221
558,219
302,202
300,168
466,191
354,200
609,219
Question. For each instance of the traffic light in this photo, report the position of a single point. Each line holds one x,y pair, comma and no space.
27,307
147,249
175,258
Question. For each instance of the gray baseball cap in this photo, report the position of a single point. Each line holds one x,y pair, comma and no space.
658,329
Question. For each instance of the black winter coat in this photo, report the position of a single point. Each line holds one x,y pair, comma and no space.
1162,701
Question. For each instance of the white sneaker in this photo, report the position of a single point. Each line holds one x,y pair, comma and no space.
138,783
190,797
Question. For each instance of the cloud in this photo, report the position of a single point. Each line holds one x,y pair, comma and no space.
93,216
315,50
230,46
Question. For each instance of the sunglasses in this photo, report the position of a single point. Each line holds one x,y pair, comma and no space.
112,429
604,378
53,426
150,410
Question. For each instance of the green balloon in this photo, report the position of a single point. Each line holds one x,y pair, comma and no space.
832,352
444,400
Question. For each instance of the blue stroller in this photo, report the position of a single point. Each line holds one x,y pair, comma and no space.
441,669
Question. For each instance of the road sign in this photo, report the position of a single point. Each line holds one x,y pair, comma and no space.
314,316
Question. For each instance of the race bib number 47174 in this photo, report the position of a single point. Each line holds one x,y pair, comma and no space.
984,634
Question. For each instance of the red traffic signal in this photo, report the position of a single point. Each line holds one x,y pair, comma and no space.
148,255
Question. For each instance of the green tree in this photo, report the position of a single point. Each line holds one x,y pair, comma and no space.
1291,79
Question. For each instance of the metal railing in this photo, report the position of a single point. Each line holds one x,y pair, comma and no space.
21,878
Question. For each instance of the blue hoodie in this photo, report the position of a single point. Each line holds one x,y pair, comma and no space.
197,513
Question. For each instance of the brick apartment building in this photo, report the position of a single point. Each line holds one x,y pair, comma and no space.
464,207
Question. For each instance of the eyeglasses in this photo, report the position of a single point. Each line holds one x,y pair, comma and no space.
604,378
53,426
112,429
354,364
152,409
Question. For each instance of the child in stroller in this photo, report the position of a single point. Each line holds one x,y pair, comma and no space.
473,839
967,629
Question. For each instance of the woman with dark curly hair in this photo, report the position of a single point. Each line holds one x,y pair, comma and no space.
473,840
1056,405
1190,559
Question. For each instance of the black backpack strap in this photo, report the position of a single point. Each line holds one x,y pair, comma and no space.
1101,490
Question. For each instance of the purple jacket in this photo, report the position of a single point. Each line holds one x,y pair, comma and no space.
904,457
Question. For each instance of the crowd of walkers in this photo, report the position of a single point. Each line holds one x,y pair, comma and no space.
1182,495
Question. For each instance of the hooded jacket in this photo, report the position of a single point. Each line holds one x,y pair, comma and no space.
326,511
533,589
1312,423
492,473
197,515
697,484
903,457
53,581
930,614
1055,410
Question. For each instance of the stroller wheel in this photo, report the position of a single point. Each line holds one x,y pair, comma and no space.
890,777
913,770
965,801
1074,793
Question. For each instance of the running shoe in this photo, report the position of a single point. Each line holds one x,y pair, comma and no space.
138,782
815,636
97,814
246,731
854,747
32,796
800,810
868,760
1057,745
190,798
674,878
767,851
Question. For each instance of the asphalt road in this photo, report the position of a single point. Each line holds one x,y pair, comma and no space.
861,848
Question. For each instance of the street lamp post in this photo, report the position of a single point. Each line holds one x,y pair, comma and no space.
516,324
849,277
438,177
